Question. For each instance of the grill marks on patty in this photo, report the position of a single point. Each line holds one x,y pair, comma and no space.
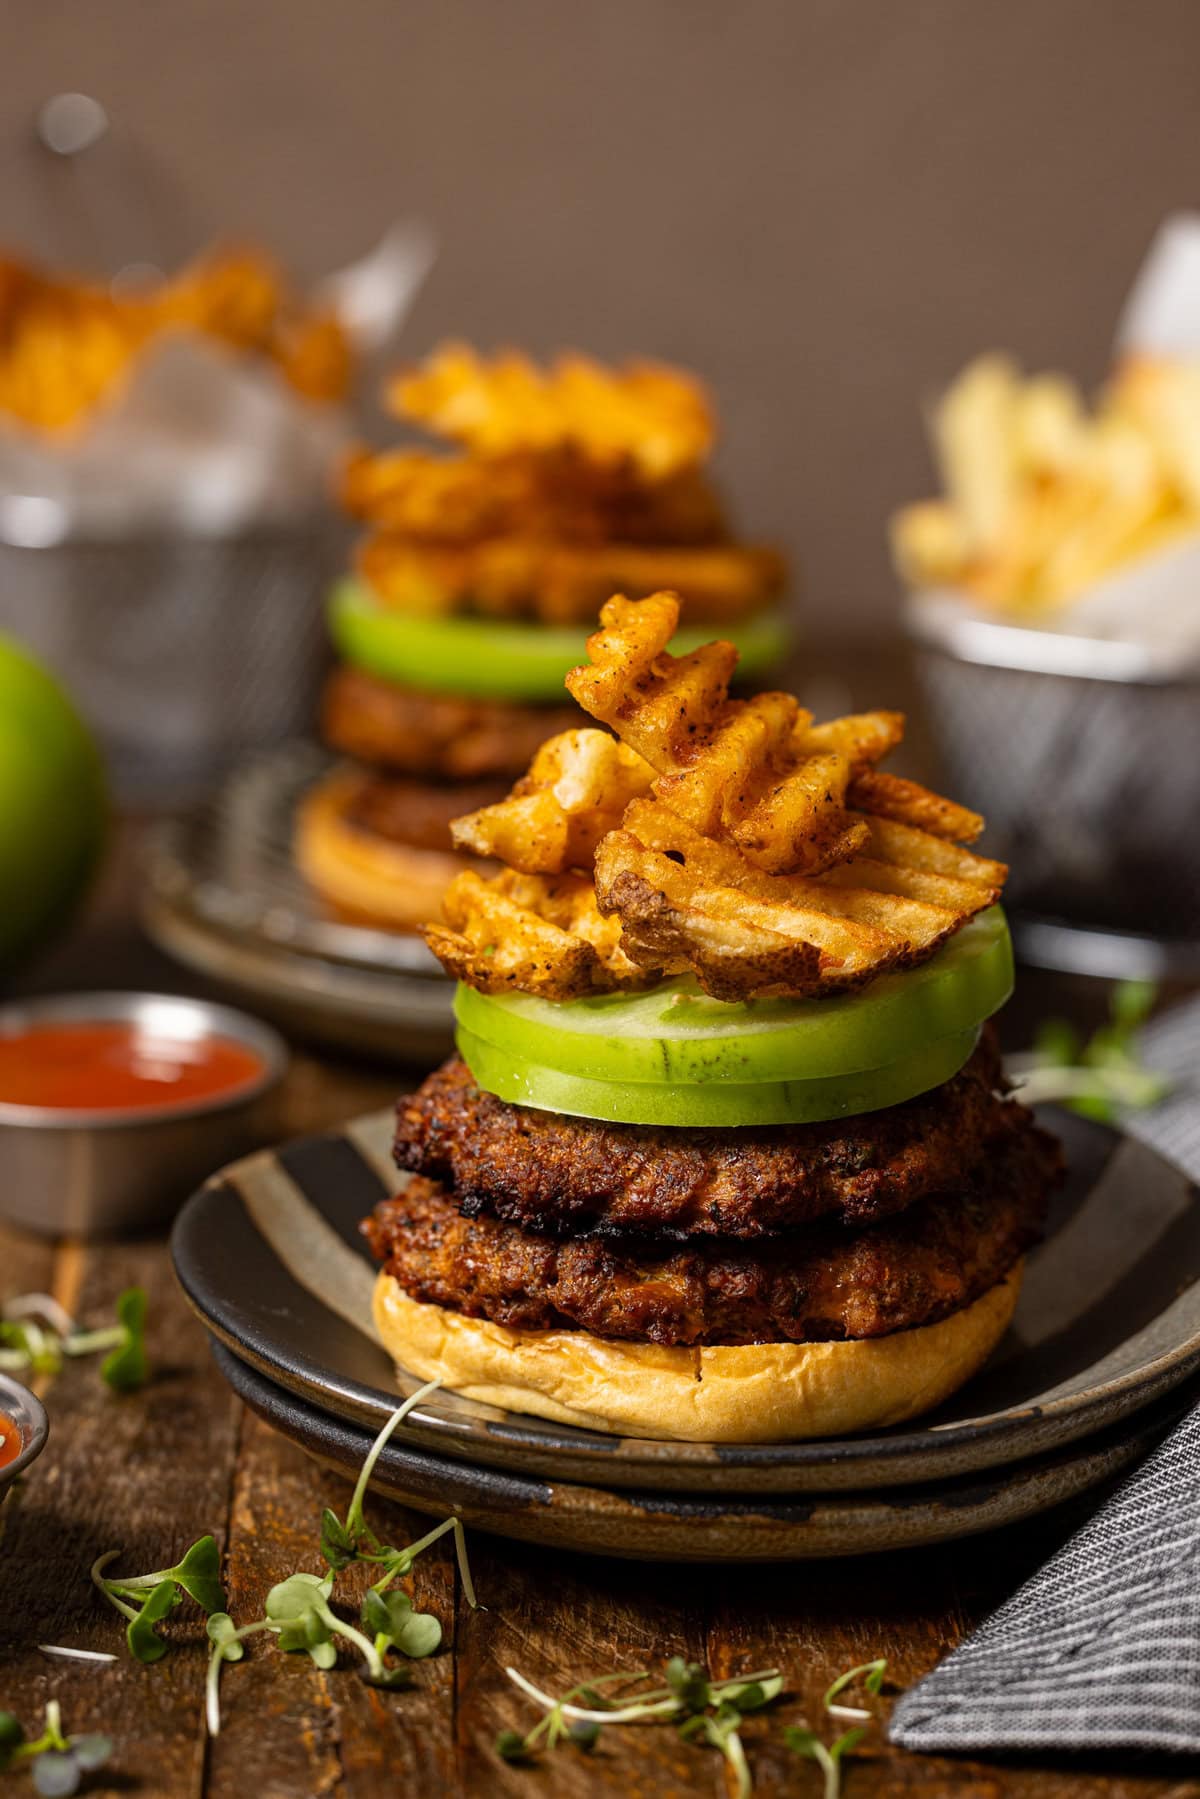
569,1175
825,1283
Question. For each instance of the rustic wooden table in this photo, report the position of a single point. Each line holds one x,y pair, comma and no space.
151,1472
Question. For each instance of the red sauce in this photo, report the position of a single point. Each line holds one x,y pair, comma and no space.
10,1441
119,1067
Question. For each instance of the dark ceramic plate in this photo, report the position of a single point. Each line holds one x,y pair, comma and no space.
682,1527
270,1256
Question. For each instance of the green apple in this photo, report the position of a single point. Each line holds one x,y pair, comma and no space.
53,804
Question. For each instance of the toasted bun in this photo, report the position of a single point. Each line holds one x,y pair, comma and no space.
745,1393
364,876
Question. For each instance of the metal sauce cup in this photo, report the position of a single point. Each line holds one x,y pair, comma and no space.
29,1415
104,1172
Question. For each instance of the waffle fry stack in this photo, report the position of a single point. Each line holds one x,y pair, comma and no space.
736,840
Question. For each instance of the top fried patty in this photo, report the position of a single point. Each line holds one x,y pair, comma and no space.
563,1175
441,735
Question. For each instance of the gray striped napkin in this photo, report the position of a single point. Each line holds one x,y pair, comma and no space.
1101,1648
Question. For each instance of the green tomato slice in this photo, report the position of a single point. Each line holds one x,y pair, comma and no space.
730,1104
675,1035
503,659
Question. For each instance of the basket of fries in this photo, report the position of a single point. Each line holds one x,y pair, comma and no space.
1054,601
164,539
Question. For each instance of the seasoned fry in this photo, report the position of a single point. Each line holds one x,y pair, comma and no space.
532,934
577,789
696,904
888,796
735,840
734,769
559,582
656,417
558,497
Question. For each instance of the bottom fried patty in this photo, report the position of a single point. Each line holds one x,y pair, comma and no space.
821,1284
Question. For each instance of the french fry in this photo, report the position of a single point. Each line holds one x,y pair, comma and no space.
1045,497
978,449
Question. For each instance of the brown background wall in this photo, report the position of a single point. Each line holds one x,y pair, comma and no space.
825,206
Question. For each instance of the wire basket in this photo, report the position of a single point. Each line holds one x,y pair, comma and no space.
1087,770
186,654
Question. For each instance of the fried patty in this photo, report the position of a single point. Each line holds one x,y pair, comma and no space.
565,1175
415,812
819,1285
441,735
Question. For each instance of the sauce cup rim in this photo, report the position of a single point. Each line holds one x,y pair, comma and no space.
124,1007
28,1413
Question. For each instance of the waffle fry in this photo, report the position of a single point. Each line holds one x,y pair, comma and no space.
534,935
688,903
559,497
654,417
754,772
561,583
577,789
684,820
907,802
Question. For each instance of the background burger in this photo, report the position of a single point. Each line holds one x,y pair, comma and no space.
481,570
726,1152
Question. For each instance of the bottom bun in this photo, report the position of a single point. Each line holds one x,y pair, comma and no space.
743,1393
363,876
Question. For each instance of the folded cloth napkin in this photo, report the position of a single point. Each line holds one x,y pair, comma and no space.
1101,1648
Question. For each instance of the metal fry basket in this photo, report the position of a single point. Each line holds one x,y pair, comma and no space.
1085,760
185,653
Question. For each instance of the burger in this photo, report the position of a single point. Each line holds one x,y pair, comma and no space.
726,1152
481,570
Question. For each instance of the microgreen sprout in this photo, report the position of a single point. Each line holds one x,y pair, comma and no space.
1103,1076
703,1710
37,1333
299,1612
144,1600
58,1763
68,1654
872,1674
828,1756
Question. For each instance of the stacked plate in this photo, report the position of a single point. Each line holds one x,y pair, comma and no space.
223,895
1095,1368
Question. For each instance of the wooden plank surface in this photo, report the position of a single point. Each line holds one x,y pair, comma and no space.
150,1472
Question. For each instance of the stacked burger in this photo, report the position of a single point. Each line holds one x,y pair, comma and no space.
479,575
726,1152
